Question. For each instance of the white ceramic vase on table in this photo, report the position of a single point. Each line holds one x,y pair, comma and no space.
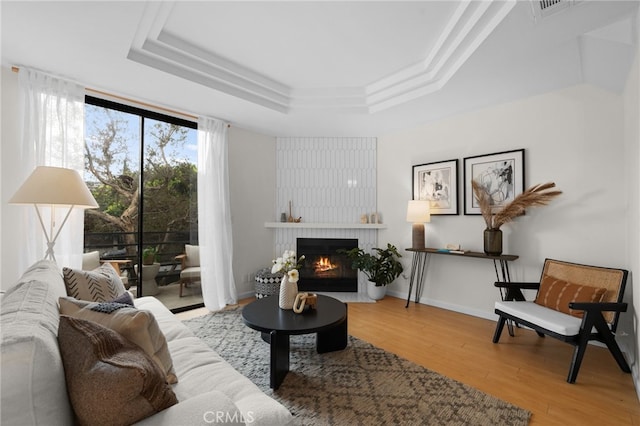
288,293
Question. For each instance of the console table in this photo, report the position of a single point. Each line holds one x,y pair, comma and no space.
419,266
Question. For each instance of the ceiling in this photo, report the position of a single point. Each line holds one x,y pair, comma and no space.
350,68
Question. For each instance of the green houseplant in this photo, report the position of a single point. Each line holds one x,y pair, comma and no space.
381,268
149,255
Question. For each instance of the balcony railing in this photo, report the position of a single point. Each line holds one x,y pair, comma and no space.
114,245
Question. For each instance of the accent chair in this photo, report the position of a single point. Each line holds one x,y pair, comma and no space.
190,265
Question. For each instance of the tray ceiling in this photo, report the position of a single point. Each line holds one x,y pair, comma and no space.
342,57
323,68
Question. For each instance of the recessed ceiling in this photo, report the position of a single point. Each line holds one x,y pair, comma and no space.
323,68
345,57
315,45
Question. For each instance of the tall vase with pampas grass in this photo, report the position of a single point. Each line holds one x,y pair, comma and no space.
537,195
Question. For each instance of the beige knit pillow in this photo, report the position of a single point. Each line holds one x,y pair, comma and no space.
138,326
110,381
99,285
557,294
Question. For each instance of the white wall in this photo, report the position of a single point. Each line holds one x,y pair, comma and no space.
1,191
629,321
10,148
573,137
252,183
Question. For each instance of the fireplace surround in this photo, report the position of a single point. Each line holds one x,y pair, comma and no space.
325,269
331,183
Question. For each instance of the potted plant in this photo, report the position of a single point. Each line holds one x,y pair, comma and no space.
537,195
149,255
381,268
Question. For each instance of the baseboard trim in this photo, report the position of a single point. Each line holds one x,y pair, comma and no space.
448,306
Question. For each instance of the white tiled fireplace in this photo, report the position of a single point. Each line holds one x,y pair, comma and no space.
331,184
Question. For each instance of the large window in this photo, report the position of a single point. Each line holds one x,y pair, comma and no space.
141,168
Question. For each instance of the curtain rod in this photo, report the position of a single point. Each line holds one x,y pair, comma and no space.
122,98
140,103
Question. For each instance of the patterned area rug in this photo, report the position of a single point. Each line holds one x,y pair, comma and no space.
361,385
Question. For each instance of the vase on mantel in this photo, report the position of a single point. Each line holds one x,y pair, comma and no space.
288,293
493,242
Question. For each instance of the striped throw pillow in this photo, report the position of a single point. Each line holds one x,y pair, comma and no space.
557,294
99,285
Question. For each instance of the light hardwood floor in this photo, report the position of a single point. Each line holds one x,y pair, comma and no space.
525,370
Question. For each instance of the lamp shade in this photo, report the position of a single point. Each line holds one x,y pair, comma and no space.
55,186
418,211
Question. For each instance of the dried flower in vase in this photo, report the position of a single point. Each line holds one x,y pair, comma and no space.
495,217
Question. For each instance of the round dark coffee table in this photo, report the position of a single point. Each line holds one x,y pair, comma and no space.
328,321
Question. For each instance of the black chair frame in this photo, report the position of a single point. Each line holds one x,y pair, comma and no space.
592,318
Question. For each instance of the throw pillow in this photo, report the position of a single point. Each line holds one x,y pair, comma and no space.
138,326
98,285
124,298
110,381
557,294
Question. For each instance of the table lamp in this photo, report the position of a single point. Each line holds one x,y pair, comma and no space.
56,187
418,214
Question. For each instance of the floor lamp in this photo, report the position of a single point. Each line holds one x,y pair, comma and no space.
418,214
58,188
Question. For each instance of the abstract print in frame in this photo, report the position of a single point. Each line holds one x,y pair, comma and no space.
438,183
501,174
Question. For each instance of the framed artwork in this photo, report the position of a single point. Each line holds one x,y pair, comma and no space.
502,175
438,183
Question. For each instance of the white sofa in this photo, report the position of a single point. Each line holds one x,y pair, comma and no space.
33,388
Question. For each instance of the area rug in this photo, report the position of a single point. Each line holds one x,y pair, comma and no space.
361,385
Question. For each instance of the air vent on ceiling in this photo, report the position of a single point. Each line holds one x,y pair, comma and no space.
544,8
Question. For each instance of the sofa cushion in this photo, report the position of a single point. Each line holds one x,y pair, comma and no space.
549,319
206,409
33,388
191,273
138,326
557,294
201,369
98,285
171,327
110,380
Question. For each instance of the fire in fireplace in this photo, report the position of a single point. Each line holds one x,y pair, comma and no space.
324,266
325,269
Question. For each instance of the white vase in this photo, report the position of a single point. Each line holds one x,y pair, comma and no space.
288,293
376,292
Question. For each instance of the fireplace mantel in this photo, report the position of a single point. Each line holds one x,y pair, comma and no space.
302,225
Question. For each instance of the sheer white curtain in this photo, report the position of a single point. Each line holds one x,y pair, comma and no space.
214,215
52,135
